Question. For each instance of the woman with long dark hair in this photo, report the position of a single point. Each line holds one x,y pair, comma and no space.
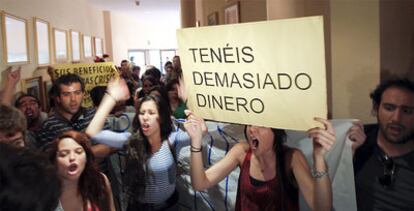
83,186
271,173
150,169
150,174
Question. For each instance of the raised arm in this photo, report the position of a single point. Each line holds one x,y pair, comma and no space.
117,91
316,186
201,179
13,77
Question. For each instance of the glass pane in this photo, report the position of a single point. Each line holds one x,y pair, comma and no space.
60,45
16,40
138,58
98,47
75,46
42,34
166,55
87,43
154,59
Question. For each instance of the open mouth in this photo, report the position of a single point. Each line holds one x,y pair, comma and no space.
395,128
255,142
28,113
145,126
72,169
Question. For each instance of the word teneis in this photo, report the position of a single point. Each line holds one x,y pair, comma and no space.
240,80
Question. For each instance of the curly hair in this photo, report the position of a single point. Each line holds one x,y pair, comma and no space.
139,149
92,185
401,83
12,121
28,180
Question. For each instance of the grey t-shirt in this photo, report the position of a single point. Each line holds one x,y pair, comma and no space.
371,194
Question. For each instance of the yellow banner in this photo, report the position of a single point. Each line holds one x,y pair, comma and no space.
94,74
268,73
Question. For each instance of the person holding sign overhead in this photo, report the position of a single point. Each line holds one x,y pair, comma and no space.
271,173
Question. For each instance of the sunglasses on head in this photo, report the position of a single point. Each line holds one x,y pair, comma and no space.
388,178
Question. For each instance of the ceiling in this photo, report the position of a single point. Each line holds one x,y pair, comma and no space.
147,9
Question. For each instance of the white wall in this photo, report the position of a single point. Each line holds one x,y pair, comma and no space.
355,36
64,14
130,33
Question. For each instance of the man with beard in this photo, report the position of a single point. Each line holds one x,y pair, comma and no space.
70,115
29,105
384,152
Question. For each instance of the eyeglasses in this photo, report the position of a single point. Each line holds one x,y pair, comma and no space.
388,178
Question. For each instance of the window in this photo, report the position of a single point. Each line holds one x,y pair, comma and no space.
155,57
137,57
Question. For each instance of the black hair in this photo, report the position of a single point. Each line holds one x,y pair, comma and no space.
280,151
402,83
28,180
135,67
154,72
97,94
17,103
53,93
281,169
168,63
163,92
163,111
151,79
67,80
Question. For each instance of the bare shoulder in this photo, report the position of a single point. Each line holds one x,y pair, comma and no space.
239,151
105,179
298,158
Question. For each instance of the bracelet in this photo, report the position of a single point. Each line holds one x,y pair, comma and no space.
109,94
318,174
195,149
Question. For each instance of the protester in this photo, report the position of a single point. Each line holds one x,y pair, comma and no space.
29,105
28,181
70,115
384,152
12,126
153,72
271,173
168,67
147,83
136,74
83,186
177,65
149,176
177,106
